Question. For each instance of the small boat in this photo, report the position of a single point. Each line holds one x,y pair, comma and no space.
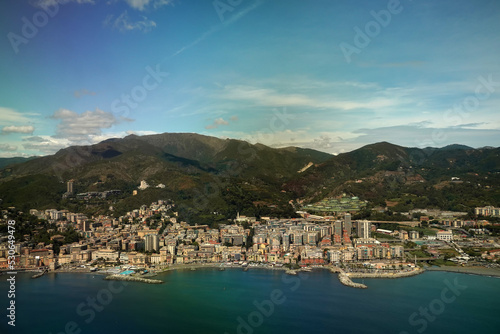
245,268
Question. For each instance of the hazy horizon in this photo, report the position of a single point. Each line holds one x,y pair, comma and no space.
37,156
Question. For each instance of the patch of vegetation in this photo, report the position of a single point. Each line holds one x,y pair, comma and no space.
441,262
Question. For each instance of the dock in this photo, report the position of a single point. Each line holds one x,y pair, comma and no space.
133,279
40,274
345,278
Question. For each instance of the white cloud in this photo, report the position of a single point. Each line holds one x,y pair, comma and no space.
8,115
138,4
18,129
332,142
52,144
421,136
49,3
78,128
124,23
45,144
221,121
271,98
83,92
336,142
7,148
139,133
145,4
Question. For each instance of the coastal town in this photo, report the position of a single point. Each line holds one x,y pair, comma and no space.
152,238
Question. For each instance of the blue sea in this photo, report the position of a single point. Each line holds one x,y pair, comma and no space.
255,301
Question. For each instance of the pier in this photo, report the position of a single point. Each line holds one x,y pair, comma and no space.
40,274
345,277
133,279
398,274
346,280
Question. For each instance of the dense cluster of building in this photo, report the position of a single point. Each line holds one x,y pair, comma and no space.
132,239
152,235
487,211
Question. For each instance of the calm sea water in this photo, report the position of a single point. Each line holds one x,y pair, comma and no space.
256,301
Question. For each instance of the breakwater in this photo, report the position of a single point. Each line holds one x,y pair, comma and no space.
398,274
345,277
40,274
346,280
133,279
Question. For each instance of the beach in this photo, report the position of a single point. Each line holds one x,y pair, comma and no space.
476,270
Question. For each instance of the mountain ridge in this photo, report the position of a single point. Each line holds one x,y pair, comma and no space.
232,175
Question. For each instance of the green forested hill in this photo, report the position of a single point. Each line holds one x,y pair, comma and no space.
213,179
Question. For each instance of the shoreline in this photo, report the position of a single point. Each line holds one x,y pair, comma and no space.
196,266
479,271
344,277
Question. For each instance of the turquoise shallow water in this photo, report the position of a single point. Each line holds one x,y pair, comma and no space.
255,301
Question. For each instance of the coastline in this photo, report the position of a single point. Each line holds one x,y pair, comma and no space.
214,266
480,271
344,277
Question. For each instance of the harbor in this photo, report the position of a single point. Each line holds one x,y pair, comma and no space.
346,277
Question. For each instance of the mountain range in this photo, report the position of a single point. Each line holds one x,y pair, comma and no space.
212,179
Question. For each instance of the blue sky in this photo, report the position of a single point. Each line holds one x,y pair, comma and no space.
323,74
